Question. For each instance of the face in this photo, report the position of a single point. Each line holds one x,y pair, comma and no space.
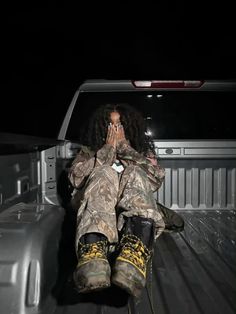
115,118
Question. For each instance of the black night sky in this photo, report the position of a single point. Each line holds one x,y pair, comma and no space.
48,52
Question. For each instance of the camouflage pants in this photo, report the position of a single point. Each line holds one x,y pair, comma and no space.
109,196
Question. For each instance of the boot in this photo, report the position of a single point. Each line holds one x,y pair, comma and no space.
130,268
93,269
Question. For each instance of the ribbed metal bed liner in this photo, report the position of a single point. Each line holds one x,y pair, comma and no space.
191,272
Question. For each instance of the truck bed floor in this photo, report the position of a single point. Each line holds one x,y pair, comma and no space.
191,272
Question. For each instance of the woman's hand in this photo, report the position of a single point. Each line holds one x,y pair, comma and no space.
115,135
120,133
111,135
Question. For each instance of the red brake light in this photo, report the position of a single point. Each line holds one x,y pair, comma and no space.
167,84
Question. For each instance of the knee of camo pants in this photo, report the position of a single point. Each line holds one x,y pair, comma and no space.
136,198
106,170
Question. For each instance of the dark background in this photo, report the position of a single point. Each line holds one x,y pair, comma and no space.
48,52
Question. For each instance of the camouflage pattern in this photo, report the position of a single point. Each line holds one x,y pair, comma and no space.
106,196
173,221
97,209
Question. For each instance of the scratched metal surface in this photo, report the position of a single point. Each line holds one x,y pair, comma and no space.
192,272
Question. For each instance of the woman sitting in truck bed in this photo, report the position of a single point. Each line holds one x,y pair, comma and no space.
114,177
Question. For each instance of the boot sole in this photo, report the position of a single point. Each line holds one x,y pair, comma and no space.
132,287
95,282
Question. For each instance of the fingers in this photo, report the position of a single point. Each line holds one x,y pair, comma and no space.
109,132
120,132
111,135
115,134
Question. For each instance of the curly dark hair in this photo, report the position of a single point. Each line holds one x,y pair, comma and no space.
132,121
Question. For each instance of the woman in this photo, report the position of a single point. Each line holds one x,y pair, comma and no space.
114,177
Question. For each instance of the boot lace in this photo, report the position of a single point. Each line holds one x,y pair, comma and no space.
88,252
134,252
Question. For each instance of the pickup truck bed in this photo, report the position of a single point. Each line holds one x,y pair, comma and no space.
193,271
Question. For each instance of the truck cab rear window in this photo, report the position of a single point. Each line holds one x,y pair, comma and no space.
169,115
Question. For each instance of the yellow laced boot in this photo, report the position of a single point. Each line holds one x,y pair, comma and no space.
129,272
93,269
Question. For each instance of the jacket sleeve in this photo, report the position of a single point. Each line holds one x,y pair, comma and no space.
81,168
149,164
105,155
86,160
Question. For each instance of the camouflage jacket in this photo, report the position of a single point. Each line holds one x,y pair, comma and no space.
86,160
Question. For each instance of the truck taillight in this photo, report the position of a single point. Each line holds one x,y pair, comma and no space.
167,84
